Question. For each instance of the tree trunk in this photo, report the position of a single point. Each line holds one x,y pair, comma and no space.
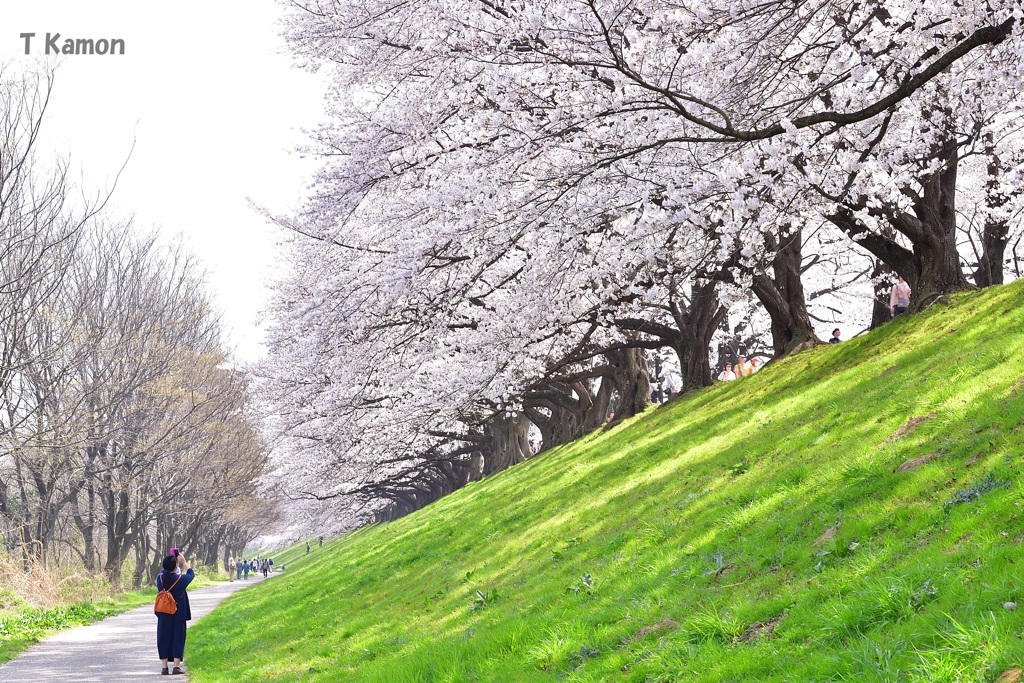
141,562
508,442
600,407
932,266
995,233
84,511
880,301
567,414
696,325
630,380
782,295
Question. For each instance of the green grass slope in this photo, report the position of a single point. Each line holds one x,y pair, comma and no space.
288,556
756,531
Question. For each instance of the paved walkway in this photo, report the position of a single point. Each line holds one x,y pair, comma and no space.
119,649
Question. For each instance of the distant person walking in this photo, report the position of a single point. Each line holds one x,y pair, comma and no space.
170,628
238,570
899,297
835,337
321,541
307,547
727,375
232,568
245,570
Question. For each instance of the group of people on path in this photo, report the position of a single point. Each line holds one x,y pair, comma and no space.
240,569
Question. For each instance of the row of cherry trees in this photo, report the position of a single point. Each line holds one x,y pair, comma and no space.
121,430
523,202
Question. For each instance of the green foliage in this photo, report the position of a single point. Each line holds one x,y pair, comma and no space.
22,626
37,622
755,531
483,599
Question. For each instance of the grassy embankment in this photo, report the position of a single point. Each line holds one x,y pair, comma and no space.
23,624
756,531
288,556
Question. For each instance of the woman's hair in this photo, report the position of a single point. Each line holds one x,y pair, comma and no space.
170,562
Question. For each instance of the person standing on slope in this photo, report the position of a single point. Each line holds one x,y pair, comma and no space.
170,628
899,297
673,385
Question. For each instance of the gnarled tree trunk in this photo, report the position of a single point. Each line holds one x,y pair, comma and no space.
880,301
995,232
932,266
629,377
508,442
782,294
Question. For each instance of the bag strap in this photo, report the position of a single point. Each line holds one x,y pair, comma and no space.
173,584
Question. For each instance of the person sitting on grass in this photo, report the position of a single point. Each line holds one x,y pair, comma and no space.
835,337
742,367
727,375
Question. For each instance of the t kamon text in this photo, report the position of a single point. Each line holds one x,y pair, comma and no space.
76,46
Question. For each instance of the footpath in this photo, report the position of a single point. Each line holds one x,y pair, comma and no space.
119,649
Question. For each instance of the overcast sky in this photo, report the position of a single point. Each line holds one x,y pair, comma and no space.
208,94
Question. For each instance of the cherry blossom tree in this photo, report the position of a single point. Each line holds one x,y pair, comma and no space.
519,200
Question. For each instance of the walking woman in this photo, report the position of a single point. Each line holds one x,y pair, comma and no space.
170,628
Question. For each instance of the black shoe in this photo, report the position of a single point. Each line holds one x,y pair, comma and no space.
164,671
177,670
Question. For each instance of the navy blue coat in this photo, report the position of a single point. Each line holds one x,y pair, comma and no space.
166,580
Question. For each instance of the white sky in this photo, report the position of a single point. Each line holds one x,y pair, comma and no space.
208,92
